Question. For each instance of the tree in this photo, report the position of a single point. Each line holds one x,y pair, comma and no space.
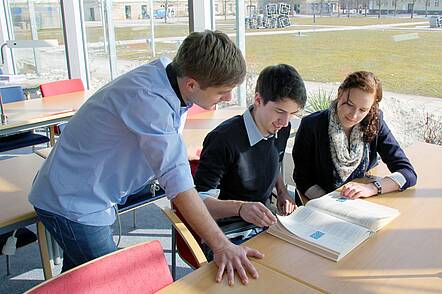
165,11
225,9
365,7
412,7
427,3
379,2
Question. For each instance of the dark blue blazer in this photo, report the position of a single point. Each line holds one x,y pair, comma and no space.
312,157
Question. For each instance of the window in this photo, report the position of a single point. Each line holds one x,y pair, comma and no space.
127,11
144,13
129,40
92,13
436,3
37,20
325,57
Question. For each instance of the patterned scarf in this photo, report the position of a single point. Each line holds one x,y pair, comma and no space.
347,154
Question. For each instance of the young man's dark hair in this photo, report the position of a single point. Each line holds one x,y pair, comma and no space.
211,58
277,82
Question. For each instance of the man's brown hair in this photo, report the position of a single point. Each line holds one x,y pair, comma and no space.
211,58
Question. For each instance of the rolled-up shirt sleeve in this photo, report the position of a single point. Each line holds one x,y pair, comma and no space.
156,126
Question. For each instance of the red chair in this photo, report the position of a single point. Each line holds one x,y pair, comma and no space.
58,88
141,268
61,87
185,241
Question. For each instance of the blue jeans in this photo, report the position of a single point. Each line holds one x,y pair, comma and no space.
80,243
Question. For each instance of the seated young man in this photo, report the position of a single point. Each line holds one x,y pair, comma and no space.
242,156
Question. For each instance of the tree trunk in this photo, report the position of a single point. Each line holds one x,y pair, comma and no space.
379,8
165,12
225,9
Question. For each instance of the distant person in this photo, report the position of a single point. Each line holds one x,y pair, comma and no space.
337,145
242,157
128,133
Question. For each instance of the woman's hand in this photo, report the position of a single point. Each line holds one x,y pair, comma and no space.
285,204
357,190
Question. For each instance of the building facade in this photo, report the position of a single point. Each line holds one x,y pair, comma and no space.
136,9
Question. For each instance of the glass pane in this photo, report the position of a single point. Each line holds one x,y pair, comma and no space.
133,38
96,42
38,20
330,41
225,21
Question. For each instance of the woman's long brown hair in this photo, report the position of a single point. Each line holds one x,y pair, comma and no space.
367,82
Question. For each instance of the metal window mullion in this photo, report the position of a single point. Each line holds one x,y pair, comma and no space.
74,41
212,15
8,34
110,34
152,29
34,34
241,43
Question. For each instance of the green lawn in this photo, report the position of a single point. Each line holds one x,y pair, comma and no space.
412,67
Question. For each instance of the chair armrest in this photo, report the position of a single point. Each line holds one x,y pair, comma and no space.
187,236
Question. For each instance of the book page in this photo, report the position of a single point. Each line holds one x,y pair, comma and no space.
362,212
324,230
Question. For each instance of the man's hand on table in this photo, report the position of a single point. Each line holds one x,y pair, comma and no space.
230,258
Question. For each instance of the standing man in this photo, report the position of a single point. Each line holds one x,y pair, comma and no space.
128,133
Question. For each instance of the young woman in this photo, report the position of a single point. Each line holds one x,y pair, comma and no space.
335,146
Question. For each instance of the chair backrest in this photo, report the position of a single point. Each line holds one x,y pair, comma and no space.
187,241
141,268
61,87
12,94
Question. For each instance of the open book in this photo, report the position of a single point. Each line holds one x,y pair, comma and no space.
332,226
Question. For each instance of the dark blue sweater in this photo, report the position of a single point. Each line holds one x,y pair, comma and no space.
312,157
240,171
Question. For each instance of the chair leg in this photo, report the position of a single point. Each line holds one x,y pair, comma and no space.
44,253
52,135
8,265
173,253
56,251
134,219
48,144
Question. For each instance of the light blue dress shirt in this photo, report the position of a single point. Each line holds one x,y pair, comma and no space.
127,133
